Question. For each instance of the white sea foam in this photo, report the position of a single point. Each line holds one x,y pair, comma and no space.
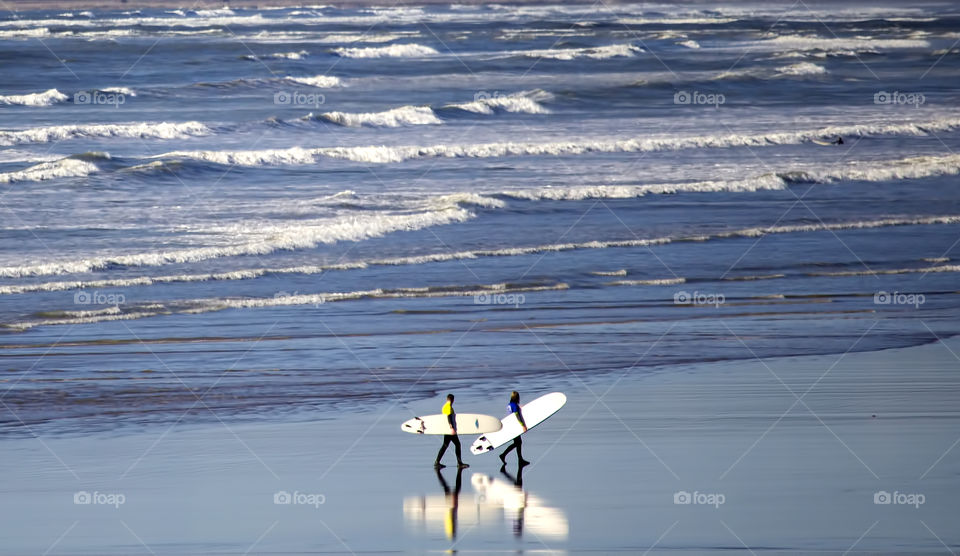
143,130
798,43
63,168
217,12
621,272
29,33
299,55
654,282
319,81
527,102
396,117
921,270
593,52
206,305
393,51
121,90
802,68
245,274
577,193
689,43
45,98
262,240
674,20
391,154
916,167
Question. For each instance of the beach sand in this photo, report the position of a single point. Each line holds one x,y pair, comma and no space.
766,472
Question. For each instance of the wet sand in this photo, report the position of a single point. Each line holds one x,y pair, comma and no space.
764,472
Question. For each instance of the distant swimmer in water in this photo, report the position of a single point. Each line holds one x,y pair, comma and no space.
837,141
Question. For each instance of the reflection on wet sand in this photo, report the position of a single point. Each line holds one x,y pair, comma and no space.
496,501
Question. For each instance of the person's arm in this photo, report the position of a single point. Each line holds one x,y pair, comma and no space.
452,420
520,419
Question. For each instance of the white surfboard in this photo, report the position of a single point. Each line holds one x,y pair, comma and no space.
534,413
467,423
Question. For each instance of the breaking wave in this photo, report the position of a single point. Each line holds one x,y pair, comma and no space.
396,117
393,51
142,130
527,102
46,98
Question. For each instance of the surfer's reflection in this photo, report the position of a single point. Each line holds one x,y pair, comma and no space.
453,502
431,511
517,482
497,501
525,511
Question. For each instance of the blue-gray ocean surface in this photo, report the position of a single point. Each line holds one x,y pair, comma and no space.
272,214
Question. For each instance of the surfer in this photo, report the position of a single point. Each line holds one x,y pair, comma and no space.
514,408
452,437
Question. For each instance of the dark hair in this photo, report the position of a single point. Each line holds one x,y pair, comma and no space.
514,397
450,397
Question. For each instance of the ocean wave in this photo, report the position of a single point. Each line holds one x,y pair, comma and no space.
592,52
207,305
802,68
63,168
621,272
396,117
267,37
893,271
579,193
299,55
653,282
917,167
155,259
412,50
267,239
142,130
29,33
319,81
675,20
690,43
392,154
121,90
527,102
800,43
797,69
46,98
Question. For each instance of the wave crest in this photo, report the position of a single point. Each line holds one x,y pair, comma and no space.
46,98
396,117
142,130
412,50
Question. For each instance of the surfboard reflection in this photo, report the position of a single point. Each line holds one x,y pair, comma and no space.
497,501
526,512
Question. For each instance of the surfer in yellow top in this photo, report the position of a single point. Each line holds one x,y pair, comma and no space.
514,408
452,437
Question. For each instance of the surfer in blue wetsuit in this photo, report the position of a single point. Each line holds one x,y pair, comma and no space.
452,437
514,408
